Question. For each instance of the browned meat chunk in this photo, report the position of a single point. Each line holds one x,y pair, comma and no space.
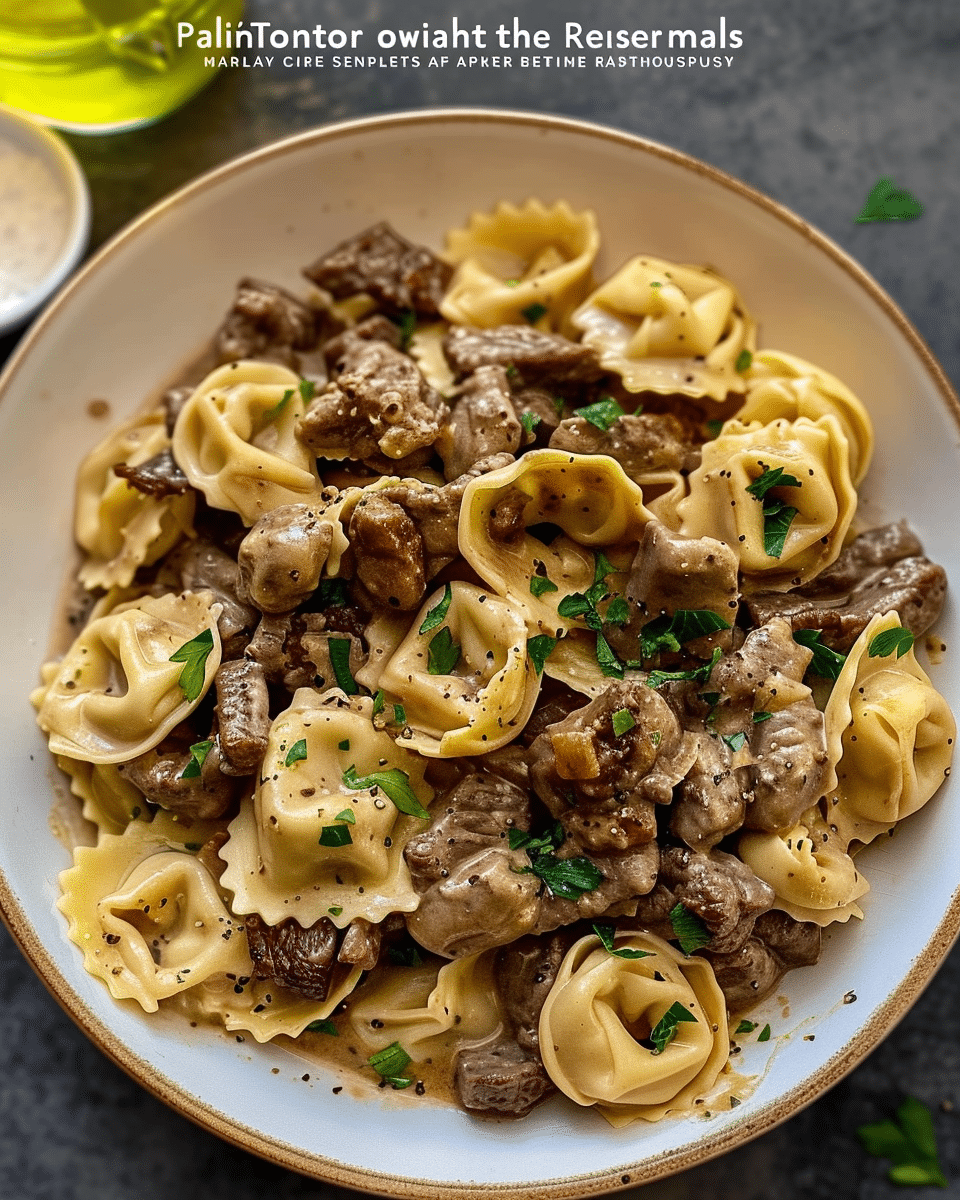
525,972
265,322
243,715
482,423
361,944
880,571
159,774
778,944
389,553
377,328
718,888
396,273
603,785
791,760
281,558
500,1078
298,958
294,649
642,443
379,407
537,357
767,655
202,566
712,799
158,476
542,404
506,519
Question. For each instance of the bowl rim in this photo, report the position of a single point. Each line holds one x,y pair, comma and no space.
147,1074
57,154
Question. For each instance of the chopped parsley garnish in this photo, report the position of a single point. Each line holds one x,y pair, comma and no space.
529,421
889,640
744,361
296,753
399,715
539,584
377,702
272,413
307,390
697,675
405,956
686,624
344,745
540,648
194,655
764,1034
332,593
327,1027
618,612
761,716
346,815
714,428
443,653
607,933
408,326
665,1029
339,649
335,835
736,741
389,1064
688,929
655,283
826,663
436,615
604,413
622,721
745,1027
568,878
777,516
887,202
198,756
395,785
336,910
533,312
607,660
910,1143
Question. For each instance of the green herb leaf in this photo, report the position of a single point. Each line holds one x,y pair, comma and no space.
339,650
399,715
604,413
714,428
697,675
347,815
408,327
744,360
405,956
771,477
272,413
618,612
655,283
761,716
764,1034
887,202
307,390
540,648
332,593
745,1027
335,835
443,653
539,584
622,721
736,741
198,756
607,660
436,615
344,745
607,934
889,640
568,878
665,1029
390,1062
377,702
194,654
826,663
533,312
296,753
520,839
327,1027
395,785
574,605
777,519
529,421
688,929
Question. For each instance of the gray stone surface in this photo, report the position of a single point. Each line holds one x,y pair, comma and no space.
825,96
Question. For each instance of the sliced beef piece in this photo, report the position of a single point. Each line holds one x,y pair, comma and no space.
265,322
717,887
158,476
377,328
602,786
293,649
500,1078
537,357
768,657
378,408
482,423
202,566
542,404
159,775
712,798
790,749
243,715
626,877
389,553
361,944
506,519
297,958
641,443
778,944
525,973
398,274
881,571
281,558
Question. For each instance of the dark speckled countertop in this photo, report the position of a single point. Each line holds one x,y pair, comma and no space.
824,97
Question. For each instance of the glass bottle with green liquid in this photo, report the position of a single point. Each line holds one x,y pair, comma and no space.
97,66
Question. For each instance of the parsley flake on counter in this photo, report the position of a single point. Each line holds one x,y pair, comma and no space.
529,421
436,615
198,756
910,1143
339,651
296,753
568,878
604,413
887,202
889,640
764,1034
395,785
607,934
194,655
443,653
335,835
665,1029
826,663
688,929
744,361
389,1064
745,1027
322,1026
540,648
777,516
622,721
539,584
533,312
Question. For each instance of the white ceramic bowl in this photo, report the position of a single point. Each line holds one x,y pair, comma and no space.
64,240
148,301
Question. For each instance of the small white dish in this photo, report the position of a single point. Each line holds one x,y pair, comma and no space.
44,216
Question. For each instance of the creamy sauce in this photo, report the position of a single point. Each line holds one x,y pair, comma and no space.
34,220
